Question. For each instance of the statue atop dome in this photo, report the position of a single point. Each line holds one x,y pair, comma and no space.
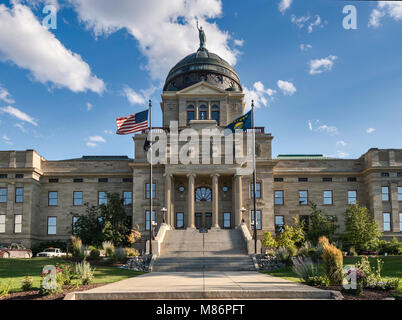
203,37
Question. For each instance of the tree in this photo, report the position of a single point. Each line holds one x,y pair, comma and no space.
362,230
320,225
115,224
88,227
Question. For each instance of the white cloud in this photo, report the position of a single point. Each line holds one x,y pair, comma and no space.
108,131
91,144
305,47
370,130
328,129
341,143
134,97
89,106
320,65
21,127
284,5
341,154
308,21
7,140
259,94
286,87
393,9
310,125
25,42
238,42
94,140
165,30
19,114
5,96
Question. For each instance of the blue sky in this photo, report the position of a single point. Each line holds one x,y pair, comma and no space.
338,94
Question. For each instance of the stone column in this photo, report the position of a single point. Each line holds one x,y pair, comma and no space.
215,200
168,197
393,189
239,199
190,194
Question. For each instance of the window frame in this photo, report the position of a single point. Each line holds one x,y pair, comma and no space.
131,198
19,195
74,198
259,219
383,194
225,220
307,198
400,221
399,188
277,230
282,198
147,220
17,224
355,201
258,189
154,194
99,192
324,197
48,225
3,195
49,199
384,214
3,223
176,220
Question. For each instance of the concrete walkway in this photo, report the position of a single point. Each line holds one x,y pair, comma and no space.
203,285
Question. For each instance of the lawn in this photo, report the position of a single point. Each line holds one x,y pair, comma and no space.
392,268
15,270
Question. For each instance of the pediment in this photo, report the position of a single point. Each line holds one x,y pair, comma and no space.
201,88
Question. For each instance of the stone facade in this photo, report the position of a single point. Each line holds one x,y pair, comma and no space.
197,194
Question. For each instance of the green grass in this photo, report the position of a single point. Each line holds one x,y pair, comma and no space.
14,270
392,268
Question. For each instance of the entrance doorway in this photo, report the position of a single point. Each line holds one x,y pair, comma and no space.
203,220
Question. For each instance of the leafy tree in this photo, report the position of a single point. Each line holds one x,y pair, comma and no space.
362,230
88,227
320,225
269,241
115,224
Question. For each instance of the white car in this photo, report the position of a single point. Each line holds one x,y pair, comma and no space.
51,252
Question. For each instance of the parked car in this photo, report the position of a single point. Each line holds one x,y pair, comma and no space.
14,250
51,252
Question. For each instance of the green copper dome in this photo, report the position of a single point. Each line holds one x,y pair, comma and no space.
202,66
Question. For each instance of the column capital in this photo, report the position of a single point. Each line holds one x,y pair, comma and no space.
191,175
217,175
168,175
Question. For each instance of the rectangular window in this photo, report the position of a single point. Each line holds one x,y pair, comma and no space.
279,224
147,194
328,197
19,195
258,219
103,180
303,179
19,176
102,197
203,115
385,193
384,174
352,197
18,223
215,116
179,220
278,179
303,197
258,190
227,223
127,198
190,116
399,193
387,221
51,225
398,174
73,227
127,179
2,223
53,180
3,176
77,198
278,199
352,179
53,198
400,222
326,179
3,194
147,225
78,180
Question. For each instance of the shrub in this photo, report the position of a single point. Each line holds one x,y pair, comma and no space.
282,254
131,252
353,252
317,281
94,254
27,283
65,274
269,241
393,247
120,254
320,225
355,278
85,272
323,241
332,263
4,289
109,248
304,268
304,250
77,247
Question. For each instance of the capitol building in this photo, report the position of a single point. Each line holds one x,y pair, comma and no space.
201,91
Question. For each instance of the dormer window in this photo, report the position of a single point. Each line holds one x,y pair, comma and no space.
190,113
203,112
215,114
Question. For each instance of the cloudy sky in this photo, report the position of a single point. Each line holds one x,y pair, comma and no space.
319,88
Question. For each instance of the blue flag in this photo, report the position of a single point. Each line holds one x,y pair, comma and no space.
241,123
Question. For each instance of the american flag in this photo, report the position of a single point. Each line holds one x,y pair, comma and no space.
131,124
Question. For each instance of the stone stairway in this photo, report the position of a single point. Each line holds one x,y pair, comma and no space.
216,250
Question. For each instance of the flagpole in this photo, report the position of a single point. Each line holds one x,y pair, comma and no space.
254,182
150,180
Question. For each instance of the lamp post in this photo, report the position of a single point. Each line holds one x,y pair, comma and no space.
164,210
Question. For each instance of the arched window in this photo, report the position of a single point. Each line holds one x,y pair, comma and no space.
190,113
203,194
215,113
203,112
